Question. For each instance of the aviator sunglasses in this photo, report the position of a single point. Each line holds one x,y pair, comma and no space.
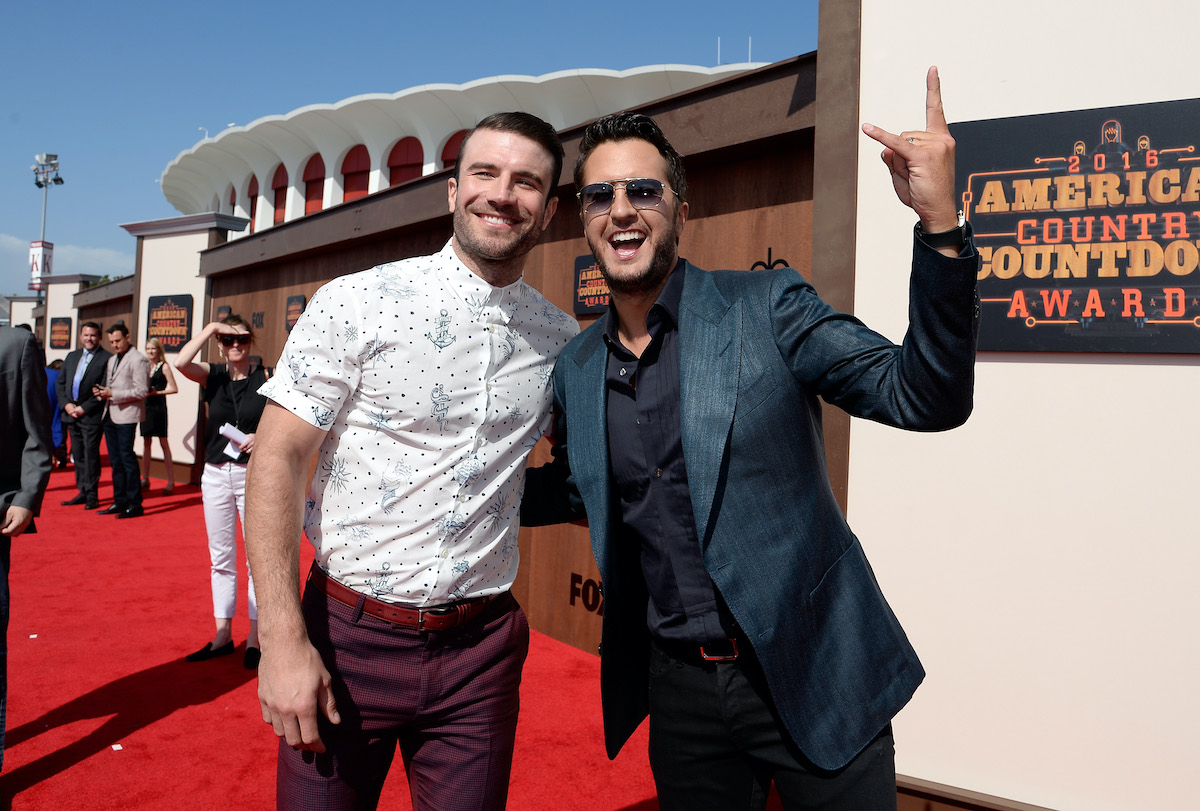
230,340
641,192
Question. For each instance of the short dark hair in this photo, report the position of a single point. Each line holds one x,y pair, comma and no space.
118,327
235,320
87,324
632,127
528,126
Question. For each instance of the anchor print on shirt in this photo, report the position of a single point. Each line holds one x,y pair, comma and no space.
322,415
379,584
441,338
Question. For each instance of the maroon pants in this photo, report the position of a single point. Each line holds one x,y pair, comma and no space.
448,699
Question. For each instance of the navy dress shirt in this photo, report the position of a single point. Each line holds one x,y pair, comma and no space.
646,453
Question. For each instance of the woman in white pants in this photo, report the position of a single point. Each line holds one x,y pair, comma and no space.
234,408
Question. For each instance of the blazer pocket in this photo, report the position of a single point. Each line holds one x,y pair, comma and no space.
854,632
757,390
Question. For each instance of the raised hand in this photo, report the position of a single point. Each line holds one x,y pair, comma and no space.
921,162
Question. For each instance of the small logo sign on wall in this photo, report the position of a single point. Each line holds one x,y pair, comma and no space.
169,319
61,332
591,291
293,310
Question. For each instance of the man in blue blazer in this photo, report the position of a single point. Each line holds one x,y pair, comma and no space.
83,411
740,610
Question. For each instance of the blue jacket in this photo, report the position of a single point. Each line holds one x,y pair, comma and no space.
757,349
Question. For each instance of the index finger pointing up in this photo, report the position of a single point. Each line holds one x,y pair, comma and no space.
935,116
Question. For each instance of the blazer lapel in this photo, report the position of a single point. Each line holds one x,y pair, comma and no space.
587,436
710,339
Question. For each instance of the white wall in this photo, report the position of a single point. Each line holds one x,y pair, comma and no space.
1043,557
170,266
60,303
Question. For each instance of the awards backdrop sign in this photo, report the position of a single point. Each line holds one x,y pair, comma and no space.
1088,224
169,320
61,333
293,309
591,291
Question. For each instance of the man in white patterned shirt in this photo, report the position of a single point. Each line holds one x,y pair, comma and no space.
423,384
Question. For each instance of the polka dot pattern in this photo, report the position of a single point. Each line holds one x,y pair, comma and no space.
432,386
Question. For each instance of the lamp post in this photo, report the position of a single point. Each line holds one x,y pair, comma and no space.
45,173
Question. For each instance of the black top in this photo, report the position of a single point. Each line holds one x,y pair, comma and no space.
645,446
236,402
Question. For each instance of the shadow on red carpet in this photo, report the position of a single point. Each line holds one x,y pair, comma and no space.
104,713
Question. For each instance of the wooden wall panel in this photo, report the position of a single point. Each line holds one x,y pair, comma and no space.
106,314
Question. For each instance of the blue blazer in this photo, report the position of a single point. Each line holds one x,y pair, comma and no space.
757,350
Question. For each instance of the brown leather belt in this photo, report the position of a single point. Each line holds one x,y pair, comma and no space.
440,618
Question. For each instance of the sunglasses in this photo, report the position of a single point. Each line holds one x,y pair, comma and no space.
641,192
230,340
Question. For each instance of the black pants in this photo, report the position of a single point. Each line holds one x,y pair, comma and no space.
85,450
716,742
126,475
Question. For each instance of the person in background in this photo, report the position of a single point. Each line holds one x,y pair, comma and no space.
56,426
231,392
24,464
740,611
162,383
83,412
127,380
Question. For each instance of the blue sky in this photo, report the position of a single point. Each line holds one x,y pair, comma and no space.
119,89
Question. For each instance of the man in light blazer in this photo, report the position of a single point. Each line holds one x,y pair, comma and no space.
25,448
127,380
740,611
83,412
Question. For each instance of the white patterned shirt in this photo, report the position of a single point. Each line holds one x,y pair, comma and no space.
433,387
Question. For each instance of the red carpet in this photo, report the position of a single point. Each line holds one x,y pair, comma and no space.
104,713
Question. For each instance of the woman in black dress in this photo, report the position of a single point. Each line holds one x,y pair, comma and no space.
162,383
231,392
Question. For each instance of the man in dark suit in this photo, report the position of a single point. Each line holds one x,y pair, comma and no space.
83,411
25,448
740,611
126,381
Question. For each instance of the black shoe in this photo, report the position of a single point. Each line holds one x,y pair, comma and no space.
79,499
209,652
250,660
112,509
132,512
92,504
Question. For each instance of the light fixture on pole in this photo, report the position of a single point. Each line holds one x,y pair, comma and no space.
45,173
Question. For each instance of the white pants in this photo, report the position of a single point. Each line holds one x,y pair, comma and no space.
224,490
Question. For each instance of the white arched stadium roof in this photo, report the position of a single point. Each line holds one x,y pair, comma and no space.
431,113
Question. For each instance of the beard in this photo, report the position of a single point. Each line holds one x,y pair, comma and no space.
650,280
487,248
